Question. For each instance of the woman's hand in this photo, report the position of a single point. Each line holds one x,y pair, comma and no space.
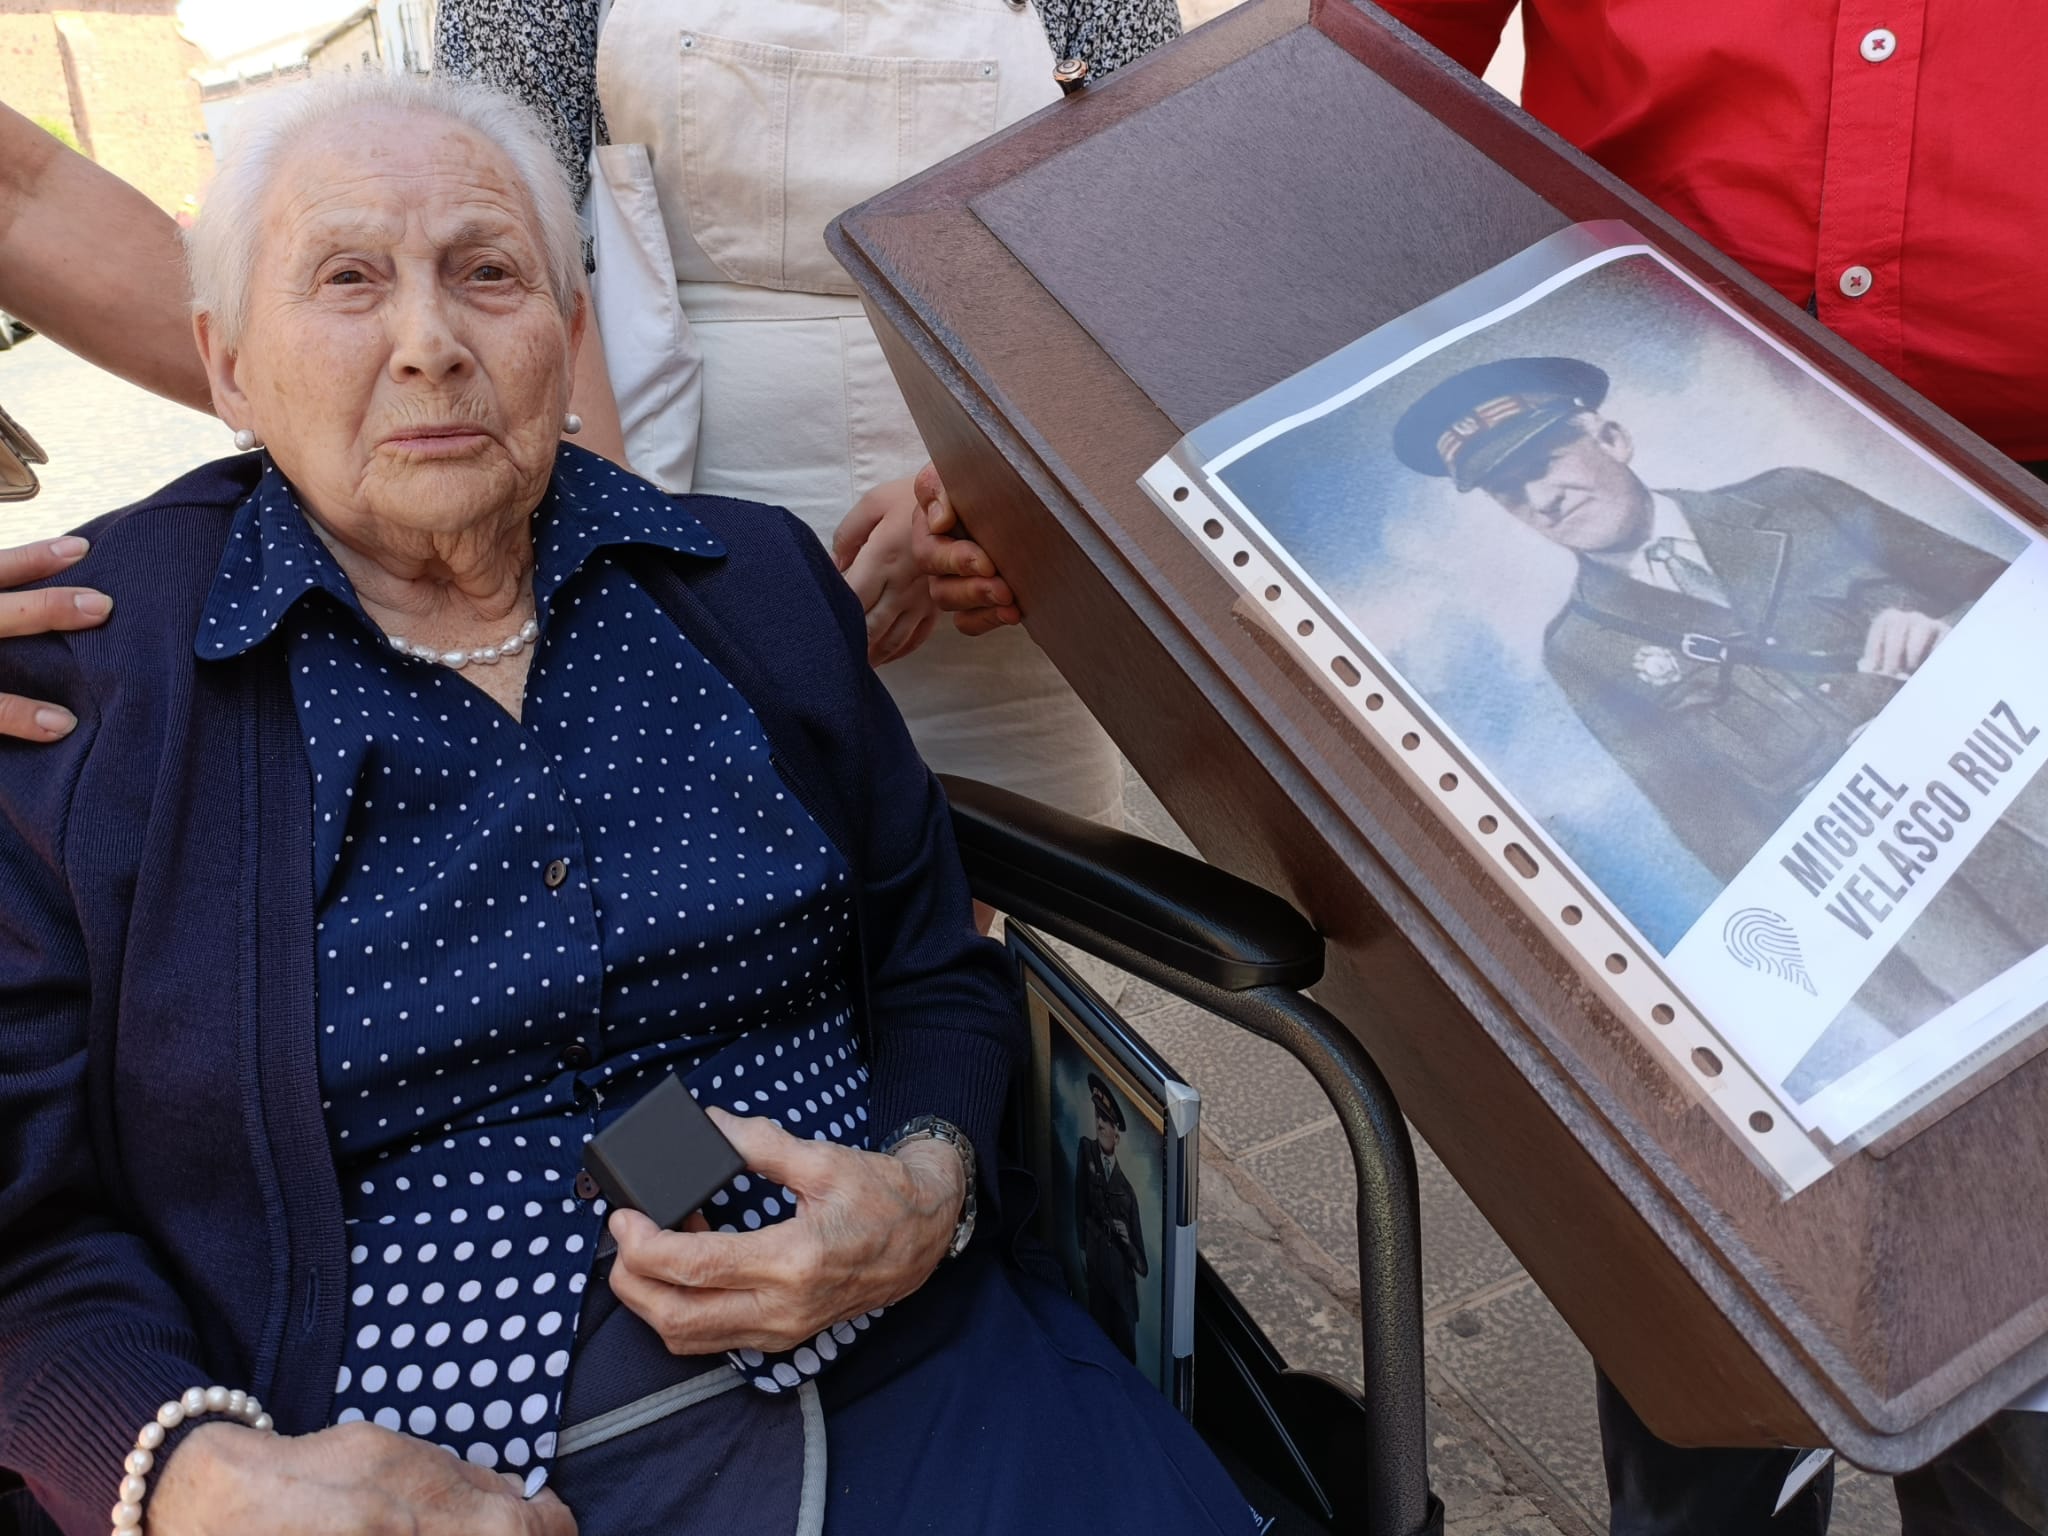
38,613
352,1480
872,548
962,577
868,1230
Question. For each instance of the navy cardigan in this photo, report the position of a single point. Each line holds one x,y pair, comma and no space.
169,1213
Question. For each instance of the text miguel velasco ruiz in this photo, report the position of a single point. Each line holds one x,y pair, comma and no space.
1878,877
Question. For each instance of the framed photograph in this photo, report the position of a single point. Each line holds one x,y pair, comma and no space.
1732,684
1111,1135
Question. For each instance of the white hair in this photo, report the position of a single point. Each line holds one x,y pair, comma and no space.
221,246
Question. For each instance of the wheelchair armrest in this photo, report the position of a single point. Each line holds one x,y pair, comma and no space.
1038,864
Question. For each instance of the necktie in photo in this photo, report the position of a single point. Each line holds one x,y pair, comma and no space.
1691,577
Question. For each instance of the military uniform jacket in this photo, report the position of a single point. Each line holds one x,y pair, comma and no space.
1725,717
1113,1263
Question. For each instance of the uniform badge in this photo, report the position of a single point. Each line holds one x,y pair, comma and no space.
1657,666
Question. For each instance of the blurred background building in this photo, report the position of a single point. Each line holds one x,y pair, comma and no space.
146,87
113,78
390,35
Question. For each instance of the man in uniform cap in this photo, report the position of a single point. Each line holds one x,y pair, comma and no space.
1726,647
1106,1225
1472,421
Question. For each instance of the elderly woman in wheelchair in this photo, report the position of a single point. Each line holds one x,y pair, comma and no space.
439,791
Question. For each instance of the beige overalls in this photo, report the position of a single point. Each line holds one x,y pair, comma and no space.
762,120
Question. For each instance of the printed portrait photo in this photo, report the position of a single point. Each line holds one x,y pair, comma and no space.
1658,578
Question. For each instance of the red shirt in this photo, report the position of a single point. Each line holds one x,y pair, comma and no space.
1886,158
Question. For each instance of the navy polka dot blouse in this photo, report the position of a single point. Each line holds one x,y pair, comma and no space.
522,924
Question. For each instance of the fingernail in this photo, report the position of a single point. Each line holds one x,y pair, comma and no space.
94,605
57,722
70,547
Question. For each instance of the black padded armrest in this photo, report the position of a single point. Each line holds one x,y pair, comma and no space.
1039,864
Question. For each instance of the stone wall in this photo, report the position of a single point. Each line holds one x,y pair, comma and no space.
32,66
118,73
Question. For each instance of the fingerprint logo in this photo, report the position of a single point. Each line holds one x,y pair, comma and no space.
1764,941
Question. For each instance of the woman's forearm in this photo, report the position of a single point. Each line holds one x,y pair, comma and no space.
94,265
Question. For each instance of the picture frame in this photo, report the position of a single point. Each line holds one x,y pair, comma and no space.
1117,1203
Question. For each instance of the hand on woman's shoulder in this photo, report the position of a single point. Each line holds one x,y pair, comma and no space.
137,560
30,605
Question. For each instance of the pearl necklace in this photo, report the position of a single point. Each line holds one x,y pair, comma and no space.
489,655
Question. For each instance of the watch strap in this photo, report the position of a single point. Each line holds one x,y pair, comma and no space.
932,1128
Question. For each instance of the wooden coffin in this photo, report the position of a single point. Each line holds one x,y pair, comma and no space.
1238,205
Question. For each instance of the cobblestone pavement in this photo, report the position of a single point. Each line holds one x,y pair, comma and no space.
109,442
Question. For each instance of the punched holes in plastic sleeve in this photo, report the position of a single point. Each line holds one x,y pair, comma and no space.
1631,980
1249,569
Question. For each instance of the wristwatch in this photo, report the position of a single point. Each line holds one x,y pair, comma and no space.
932,1128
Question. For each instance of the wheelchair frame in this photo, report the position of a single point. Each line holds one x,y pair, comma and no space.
1351,1461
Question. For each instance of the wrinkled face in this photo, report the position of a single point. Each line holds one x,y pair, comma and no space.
1573,485
403,356
1106,1133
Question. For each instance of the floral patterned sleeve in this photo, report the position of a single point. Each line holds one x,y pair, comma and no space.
544,52
1108,33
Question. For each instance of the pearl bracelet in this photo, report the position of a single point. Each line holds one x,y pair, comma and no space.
197,1402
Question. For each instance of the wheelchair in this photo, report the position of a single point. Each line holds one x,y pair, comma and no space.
1303,1447
1306,1449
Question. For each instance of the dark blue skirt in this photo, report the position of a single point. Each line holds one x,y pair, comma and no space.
988,1402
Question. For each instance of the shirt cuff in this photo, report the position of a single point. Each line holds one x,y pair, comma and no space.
74,1424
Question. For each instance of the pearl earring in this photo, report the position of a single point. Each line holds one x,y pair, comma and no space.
572,424
244,439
